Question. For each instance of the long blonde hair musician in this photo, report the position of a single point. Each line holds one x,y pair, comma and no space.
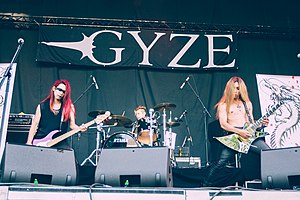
230,94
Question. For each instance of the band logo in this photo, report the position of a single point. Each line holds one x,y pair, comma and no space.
136,48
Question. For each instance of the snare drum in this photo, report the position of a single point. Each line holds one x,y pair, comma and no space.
121,140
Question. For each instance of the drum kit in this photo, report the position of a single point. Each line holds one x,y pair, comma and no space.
144,132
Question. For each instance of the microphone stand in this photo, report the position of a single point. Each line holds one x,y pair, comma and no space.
188,138
7,71
81,95
205,113
7,75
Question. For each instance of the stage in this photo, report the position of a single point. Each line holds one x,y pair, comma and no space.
50,192
157,178
187,185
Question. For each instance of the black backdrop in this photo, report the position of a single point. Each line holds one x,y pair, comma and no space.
123,89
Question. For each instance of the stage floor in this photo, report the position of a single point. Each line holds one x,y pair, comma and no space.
49,192
187,185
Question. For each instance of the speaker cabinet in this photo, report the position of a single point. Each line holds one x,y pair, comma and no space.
17,136
134,167
22,163
280,168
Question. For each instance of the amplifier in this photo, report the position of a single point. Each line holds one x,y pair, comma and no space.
18,128
20,119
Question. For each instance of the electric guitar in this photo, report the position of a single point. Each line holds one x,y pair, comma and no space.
48,141
242,145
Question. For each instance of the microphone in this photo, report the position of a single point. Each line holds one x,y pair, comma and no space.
181,116
95,82
186,80
20,41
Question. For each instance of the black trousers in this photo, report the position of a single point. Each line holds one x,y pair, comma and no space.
226,156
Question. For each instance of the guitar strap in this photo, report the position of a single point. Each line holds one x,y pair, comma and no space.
247,111
61,120
239,155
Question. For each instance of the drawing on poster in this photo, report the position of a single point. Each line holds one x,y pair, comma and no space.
284,126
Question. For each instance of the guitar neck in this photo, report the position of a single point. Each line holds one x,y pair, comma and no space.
68,134
271,111
259,121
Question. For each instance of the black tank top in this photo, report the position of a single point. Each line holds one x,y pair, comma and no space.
50,122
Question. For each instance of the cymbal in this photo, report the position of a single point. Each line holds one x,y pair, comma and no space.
95,113
118,120
130,125
164,106
172,124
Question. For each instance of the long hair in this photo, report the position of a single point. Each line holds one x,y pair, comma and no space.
228,95
67,105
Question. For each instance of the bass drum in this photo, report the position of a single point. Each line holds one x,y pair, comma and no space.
143,130
121,140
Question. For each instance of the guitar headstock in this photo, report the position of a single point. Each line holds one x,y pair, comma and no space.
101,118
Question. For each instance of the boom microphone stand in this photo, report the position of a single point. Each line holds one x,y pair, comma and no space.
7,76
7,71
81,95
205,113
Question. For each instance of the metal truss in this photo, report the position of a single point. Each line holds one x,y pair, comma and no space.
22,21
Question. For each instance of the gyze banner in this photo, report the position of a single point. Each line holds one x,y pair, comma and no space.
136,48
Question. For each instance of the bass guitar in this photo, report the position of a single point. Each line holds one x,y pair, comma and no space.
242,145
48,141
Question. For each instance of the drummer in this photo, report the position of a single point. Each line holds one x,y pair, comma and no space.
140,112
141,126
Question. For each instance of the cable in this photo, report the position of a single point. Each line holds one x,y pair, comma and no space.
93,185
231,187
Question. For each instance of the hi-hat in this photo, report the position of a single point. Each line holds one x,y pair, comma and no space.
118,120
164,106
95,113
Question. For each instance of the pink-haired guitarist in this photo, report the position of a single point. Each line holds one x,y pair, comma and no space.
54,114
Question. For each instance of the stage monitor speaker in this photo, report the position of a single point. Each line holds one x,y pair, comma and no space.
23,163
135,167
280,168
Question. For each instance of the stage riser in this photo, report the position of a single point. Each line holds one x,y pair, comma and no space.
85,196
81,193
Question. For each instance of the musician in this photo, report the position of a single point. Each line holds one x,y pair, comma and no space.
141,126
232,115
55,112
140,112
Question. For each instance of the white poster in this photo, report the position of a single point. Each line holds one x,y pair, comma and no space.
284,126
6,90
